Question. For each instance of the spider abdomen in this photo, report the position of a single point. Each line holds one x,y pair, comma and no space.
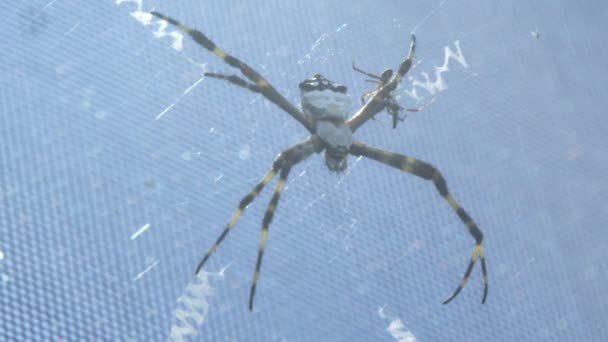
338,138
334,135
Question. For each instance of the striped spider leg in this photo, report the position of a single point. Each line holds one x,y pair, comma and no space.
429,172
283,163
259,85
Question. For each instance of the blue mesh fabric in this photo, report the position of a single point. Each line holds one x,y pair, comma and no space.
368,255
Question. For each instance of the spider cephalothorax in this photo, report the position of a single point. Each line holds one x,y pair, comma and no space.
322,99
327,105
325,108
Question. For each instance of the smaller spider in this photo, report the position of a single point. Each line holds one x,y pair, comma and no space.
392,107
325,107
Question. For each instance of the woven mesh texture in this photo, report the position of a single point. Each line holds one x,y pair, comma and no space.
105,210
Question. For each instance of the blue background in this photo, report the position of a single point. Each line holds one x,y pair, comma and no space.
520,136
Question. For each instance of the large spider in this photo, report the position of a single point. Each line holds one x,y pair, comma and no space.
324,114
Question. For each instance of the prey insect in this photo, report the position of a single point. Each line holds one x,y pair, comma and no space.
392,107
324,113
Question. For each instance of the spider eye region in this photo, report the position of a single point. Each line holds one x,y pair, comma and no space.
322,99
318,82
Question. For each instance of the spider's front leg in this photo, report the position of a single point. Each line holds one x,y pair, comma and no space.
430,173
260,84
300,150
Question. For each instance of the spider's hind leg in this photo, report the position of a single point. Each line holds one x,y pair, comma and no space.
245,201
427,171
274,201
299,153
283,163
279,162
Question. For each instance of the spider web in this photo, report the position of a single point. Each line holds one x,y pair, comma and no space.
120,163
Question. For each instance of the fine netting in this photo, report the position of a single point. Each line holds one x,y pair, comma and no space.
120,165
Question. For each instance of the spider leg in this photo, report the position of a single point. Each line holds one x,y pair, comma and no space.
236,81
266,88
295,150
378,102
245,201
366,73
300,152
428,172
265,223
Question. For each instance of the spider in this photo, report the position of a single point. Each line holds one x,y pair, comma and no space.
392,107
324,114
